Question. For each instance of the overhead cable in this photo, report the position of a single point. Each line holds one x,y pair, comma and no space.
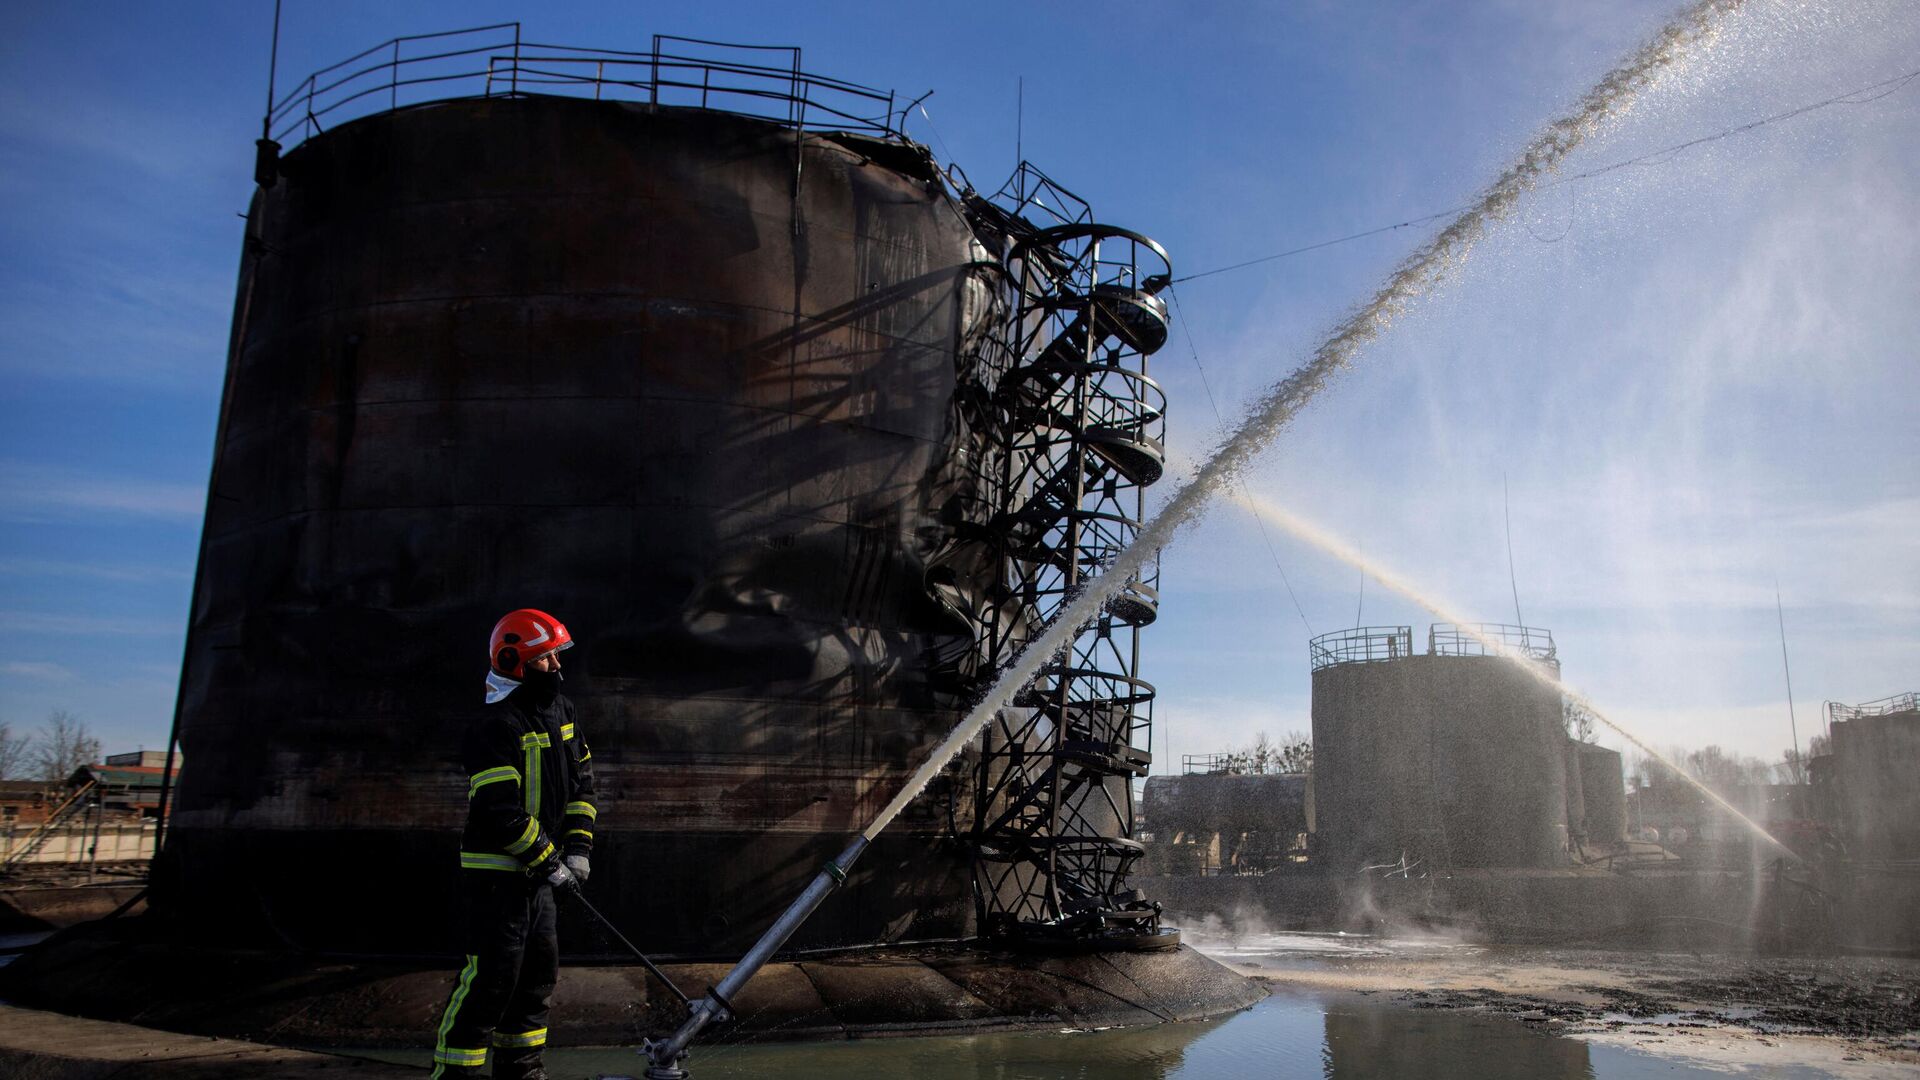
1220,418
1874,92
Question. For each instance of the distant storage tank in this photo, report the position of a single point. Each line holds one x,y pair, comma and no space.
1576,793
1864,788
1274,803
684,379
1237,823
1603,789
1449,759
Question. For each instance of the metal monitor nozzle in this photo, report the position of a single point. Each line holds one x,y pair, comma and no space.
665,1055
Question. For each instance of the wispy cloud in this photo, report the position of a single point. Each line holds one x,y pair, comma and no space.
40,622
46,568
45,670
32,492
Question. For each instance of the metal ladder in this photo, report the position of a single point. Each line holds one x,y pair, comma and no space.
74,804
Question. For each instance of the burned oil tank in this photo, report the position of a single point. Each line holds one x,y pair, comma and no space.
1450,758
682,377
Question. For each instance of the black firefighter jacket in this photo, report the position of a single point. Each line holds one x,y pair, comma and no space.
529,785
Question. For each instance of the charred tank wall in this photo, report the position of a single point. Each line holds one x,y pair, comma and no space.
683,379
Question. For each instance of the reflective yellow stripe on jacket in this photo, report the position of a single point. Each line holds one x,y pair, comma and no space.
495,775
527,837
532,742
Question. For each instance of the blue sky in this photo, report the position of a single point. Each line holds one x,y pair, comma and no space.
1695,376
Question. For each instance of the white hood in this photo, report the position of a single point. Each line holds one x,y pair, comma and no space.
499,686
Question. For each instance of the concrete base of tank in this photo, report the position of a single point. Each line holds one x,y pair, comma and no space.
120,971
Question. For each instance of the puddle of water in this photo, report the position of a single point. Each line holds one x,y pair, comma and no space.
1287,1037
1283,945
12,945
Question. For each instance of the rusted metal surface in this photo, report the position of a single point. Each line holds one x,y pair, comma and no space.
682,378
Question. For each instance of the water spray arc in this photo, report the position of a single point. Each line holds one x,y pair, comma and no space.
1419,274
1327,542
1423,271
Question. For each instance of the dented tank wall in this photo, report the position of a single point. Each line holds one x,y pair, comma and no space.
644,369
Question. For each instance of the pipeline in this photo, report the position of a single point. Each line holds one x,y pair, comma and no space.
665,1055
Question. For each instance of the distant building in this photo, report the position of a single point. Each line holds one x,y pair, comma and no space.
1865,789
27,802
1216,821
144,759
128,783
1688,823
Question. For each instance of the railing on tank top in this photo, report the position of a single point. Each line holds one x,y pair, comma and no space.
1490,639
1361,645
496,61
1887,706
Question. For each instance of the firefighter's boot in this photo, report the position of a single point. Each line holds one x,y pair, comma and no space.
522,1066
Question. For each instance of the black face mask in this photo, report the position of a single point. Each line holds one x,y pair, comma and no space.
543,685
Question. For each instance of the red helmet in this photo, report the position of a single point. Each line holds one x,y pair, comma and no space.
524,635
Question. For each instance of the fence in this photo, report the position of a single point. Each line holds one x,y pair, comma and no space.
497,60
1362,644
1886,706
69,843
1490,639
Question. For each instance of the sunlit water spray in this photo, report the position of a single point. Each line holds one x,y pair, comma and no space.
1326,541
1690,32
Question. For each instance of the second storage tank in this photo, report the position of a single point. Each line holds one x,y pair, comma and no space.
1448,759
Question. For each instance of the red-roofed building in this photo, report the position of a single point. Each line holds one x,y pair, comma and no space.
127,782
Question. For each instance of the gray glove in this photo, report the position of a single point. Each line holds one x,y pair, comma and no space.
580,867
560,877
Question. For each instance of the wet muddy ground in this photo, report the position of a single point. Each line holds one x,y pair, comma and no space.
1823,1013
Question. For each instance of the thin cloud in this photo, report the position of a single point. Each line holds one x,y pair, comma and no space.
45,670
44,568
40,622
34,493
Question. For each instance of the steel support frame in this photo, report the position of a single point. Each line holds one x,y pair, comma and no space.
1080,428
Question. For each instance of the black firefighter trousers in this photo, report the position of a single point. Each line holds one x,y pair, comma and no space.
504,989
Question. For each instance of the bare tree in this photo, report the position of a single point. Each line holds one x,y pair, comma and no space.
63,745
1795,763
1292,754
1295,753
1725,772
1578,718
13,753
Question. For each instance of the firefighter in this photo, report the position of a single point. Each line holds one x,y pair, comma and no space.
529,834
